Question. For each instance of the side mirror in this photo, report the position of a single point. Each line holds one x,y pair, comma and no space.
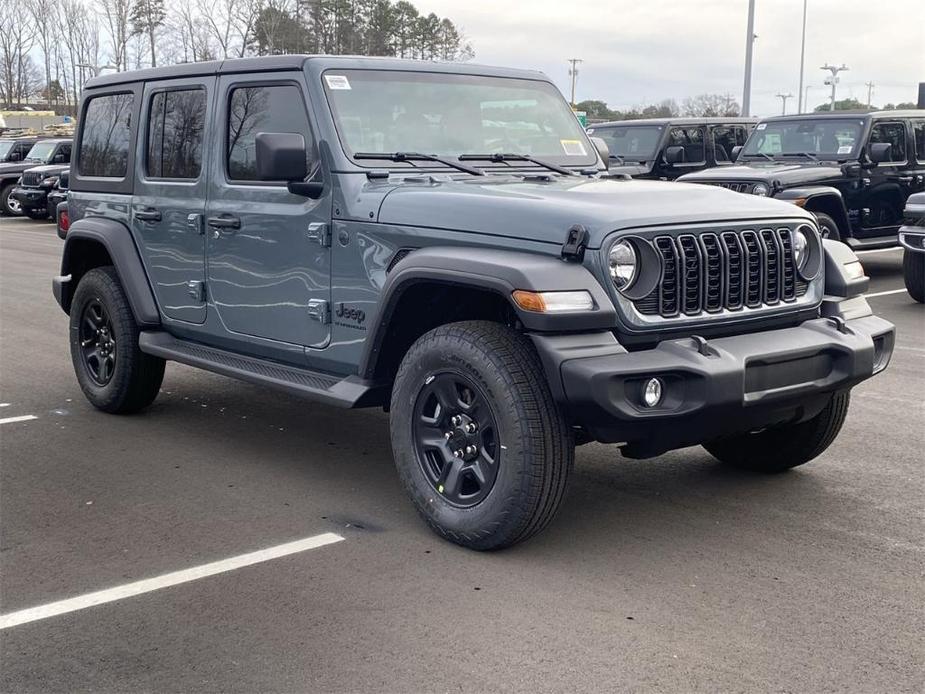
282,157
603,150
736,151
879,152
58,158
675,155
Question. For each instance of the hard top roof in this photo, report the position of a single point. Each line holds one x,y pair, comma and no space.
686,120
297,62
853,115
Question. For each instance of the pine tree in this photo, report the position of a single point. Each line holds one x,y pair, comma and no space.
147,16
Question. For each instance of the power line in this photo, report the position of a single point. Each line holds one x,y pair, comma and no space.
783,98
870,92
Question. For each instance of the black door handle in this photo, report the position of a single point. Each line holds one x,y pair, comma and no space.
225,221
148,214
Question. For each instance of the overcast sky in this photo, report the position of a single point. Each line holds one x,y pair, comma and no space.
641,51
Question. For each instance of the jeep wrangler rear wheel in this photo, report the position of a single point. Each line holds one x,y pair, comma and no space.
828,229
778,449
914,274
478,441
113,373
9,205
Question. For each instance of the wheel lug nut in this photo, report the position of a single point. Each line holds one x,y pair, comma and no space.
448,435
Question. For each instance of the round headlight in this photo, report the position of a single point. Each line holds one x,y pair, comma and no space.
800,254
760,189
623,263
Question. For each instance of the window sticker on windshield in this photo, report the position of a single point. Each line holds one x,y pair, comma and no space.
574,148
844,149
337,81
761,126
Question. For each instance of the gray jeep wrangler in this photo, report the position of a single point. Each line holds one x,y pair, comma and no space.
444,241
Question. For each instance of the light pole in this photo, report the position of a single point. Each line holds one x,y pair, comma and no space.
749,44
833,80
802,57
783,98
806,98
573,73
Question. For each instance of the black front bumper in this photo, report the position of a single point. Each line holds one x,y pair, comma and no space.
711,388
31,198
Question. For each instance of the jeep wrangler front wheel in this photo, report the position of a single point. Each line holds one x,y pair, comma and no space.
777,449
478,440
914,274
113,373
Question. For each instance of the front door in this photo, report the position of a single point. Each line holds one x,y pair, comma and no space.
170,193
885,195
269,260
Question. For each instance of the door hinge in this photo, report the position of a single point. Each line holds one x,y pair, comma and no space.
194,222
319,310
320,233
196,289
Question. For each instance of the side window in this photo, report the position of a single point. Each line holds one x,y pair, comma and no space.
918,132
175,127
106,135
23,149
691,139
263,109
724,139
63,155
895,134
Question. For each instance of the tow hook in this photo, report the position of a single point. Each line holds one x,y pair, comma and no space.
703,347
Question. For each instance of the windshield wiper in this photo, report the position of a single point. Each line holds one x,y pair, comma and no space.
417,156
619,158
499,157
760,154
808,155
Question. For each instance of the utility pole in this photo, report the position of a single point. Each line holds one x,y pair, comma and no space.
749,44
833,80
806,97
870,92
783,98
573,73
802,56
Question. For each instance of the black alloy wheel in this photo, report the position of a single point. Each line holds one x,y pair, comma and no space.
97,342
456,439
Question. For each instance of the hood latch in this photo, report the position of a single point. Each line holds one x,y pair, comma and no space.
576,241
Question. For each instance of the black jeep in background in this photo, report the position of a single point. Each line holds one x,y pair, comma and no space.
41,151
854,171
666,148
35,189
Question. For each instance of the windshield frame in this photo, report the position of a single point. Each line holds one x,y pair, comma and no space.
855,153
659,143
592,159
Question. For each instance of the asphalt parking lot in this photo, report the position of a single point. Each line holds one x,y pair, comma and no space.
667,574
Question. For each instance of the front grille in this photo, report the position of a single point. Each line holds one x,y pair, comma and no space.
737,186
32,179
712,271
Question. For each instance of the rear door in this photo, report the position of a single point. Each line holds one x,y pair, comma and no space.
170,193
269,260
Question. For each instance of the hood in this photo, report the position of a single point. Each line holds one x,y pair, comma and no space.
544,210
48,169
785,173
12,167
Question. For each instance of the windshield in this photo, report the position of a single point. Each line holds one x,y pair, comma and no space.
636,142
5,147
41,151
837,138
449,115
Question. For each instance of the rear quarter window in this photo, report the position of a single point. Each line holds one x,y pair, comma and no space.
106,136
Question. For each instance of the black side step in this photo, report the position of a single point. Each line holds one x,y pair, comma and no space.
873,242
351,391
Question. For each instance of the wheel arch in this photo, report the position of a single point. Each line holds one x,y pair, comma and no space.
823,199
435,286
95,242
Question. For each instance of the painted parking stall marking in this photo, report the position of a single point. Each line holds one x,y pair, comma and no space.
21,418
129,590
886,293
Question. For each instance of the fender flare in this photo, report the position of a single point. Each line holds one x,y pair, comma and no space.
807,197
117,240
497,271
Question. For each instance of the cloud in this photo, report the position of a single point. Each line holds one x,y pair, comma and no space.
641,51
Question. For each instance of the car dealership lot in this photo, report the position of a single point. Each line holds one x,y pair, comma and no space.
673,573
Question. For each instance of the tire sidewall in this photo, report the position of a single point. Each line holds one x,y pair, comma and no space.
914,274
98,284
511,484
825,221
5,193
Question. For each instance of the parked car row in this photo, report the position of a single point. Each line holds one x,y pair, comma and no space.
33,176
853,171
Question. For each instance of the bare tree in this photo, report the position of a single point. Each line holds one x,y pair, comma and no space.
45,25
17,37
118,14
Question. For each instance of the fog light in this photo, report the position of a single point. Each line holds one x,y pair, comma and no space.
652,392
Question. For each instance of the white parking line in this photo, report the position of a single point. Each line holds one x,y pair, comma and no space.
100,597
23,418
892,291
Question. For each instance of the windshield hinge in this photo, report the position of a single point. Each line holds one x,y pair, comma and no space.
575,243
